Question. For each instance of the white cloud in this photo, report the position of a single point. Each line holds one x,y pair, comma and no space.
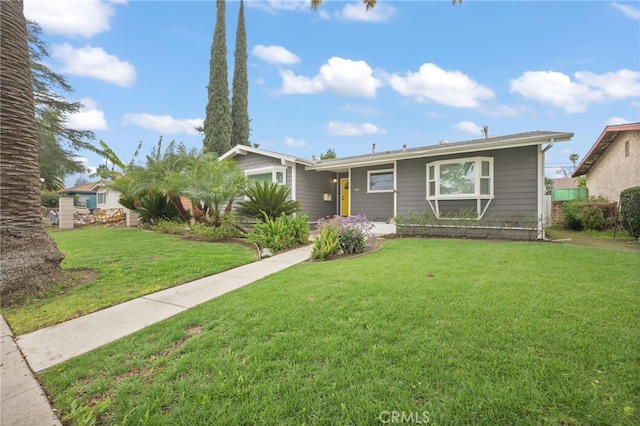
164,124
617,120
451,88
275,54
339,128
628,10
295,142
70,18
559,90
88,118
358,12
613,85
272,6
94,62
469,127
359,109
341,76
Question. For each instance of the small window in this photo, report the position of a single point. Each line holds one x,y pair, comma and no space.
267,174
626,148
380,180
102,197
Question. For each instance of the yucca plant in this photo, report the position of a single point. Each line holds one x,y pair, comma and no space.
267,201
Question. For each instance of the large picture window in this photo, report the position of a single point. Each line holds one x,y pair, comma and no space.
462,179
380,180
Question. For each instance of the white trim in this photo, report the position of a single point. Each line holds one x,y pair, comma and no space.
349,192
294,186
395,188
270,169
434,199
245,149
541,189
377,172
438,150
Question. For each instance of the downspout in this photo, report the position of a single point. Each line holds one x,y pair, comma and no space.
541,188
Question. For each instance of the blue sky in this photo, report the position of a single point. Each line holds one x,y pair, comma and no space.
410,72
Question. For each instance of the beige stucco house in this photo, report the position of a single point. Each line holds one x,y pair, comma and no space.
613,162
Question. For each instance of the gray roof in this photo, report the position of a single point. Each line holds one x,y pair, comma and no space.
518,139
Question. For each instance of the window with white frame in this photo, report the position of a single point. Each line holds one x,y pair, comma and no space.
267,174
102,197
461,179
380,180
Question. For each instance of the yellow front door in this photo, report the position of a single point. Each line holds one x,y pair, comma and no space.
344,197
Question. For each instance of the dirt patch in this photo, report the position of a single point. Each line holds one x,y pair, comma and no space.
621,242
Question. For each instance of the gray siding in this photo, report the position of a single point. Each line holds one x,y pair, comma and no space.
515,183
257,161
310,188
373,205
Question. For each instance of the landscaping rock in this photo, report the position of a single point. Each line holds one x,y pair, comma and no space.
265,253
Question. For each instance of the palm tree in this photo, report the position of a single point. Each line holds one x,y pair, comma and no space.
30,260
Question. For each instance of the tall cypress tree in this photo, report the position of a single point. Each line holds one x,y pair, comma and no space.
240,101
217,122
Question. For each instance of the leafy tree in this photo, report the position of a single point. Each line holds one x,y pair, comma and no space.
57,141
55,162
81,181
267,201
30,260
240,100
217,122
331,153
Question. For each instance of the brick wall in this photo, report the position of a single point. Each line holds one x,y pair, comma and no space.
557,214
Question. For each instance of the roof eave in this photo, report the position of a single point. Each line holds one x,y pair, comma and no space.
592,156
444,149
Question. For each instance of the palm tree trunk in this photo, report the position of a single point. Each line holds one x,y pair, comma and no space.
30,260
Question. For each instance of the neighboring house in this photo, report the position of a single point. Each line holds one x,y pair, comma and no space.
86,194
501,177
613,162
564,183
108,199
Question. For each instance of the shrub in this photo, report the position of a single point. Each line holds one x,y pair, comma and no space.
327,242
588,215
282,233
630,210
156,206
267,200
354,234
170,227
50,199
200,231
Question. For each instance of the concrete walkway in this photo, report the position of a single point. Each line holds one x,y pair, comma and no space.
22,399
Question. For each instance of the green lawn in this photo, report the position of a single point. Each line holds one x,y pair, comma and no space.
444,331
130,263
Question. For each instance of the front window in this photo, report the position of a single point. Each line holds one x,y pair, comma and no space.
380,180
267,174
460,179
455,182
102,197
